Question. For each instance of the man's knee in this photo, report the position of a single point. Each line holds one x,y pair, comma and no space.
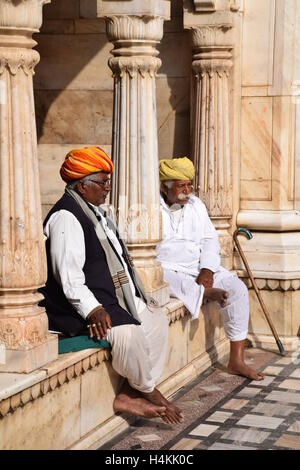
121,337
237,290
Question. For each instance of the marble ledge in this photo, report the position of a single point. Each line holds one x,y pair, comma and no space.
13,383
173,305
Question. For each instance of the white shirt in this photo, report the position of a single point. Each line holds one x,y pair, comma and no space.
67,255
190,241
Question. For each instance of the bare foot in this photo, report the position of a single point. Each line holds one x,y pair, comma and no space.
173,414
240,368
220,295
139,407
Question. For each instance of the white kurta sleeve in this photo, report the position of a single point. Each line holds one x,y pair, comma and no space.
210,250
67,252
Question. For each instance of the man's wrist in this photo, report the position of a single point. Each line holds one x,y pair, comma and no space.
96,309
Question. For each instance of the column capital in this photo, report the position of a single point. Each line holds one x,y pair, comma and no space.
15,59
21,15
212,50
134,28
135,39
212,35
134,66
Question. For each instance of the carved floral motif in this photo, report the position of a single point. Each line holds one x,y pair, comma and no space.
16,59
134,65
23,332
131,28
282,285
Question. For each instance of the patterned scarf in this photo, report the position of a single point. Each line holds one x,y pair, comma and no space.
116,268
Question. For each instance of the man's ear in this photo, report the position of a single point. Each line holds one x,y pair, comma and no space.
164,188
79,188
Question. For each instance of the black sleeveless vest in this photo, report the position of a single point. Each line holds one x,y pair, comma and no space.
62,316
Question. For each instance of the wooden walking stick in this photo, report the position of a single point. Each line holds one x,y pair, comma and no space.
248,234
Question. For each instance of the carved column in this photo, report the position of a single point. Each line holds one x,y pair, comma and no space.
135,192
211,149
23,325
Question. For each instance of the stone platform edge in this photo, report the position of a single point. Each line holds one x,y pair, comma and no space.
70,386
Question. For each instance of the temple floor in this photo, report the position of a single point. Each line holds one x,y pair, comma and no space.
224,411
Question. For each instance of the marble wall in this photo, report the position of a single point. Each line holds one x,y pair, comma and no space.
268,109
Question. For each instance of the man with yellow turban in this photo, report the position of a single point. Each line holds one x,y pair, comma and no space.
92,287
189,254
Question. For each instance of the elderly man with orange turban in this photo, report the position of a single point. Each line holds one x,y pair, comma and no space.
189,254
93,289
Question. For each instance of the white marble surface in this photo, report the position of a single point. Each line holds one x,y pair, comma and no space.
245,435
204,430
296,374
223,446
295,427
11,383
271,409
220,416
249,392
285,397
290,384
272,370
263,383
255,421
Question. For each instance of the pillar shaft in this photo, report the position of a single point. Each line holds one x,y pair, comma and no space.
210,127
23,325
135,192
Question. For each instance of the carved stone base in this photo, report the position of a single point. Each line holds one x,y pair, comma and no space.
271,255
24,361
283,308
150,272
268,342
161,294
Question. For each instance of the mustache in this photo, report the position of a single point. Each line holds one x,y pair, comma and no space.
182,196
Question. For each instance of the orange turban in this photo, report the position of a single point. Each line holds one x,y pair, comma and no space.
82,162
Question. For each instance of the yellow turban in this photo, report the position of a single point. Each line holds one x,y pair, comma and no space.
176,169
82,162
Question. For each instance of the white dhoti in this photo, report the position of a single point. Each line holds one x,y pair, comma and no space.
235,315
139,351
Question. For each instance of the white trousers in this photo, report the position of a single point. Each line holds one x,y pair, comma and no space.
139,351
235,315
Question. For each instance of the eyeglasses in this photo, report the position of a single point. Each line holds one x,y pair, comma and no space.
180,186
102,184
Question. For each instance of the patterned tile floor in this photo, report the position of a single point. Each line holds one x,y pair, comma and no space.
229,412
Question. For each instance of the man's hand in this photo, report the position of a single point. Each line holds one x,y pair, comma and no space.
98,323
206,278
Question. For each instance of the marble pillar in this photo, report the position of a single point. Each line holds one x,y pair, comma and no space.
210,130
269,198
23,325
135,192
